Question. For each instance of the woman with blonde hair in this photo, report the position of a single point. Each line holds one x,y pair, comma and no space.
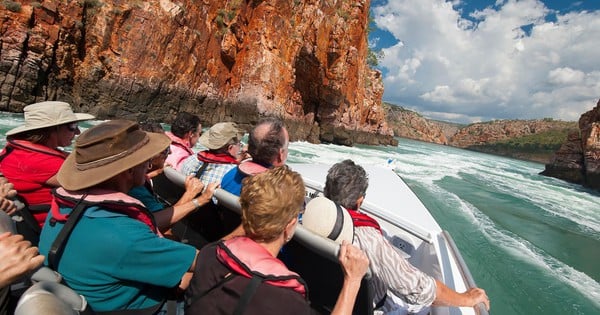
243,274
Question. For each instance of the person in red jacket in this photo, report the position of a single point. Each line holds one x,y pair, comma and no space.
33,155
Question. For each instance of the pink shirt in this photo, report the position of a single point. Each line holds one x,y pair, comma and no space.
180,150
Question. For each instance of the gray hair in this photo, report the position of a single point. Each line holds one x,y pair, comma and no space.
345,183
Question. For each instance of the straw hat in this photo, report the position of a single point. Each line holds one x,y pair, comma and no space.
48,114
106,150
328,219
220,134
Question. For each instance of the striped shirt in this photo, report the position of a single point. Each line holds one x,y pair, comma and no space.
392,273
213,173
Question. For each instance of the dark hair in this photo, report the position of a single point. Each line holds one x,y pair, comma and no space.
184,122
151,127
35,136
345,183
264,145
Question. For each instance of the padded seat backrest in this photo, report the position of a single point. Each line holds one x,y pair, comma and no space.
324,277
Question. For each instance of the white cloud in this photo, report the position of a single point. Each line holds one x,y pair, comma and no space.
489,67
566,76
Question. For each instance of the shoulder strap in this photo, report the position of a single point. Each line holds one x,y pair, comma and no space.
62,237
27,215
201,169
248,294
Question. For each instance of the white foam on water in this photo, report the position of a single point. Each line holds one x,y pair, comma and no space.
523,250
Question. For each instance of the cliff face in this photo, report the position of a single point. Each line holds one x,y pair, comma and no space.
303,61
578,159
409,124
501,130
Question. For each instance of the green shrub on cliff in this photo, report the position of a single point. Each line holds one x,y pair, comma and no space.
536,147
12,6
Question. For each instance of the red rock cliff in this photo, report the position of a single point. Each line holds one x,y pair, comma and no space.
578,159
235,60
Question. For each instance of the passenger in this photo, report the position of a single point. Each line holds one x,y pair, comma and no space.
185,131
223,141
113,254
32,156
166,214
243,275
346,185
158,162
268,145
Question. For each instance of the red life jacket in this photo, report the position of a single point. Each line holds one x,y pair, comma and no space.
246,257
106,199
11,144
216,158
362,219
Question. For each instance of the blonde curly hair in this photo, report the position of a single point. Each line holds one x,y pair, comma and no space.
269,201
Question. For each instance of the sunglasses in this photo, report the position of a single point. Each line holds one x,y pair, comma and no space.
72,127
167,151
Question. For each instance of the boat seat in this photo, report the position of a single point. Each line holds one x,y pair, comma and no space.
324,277
51,298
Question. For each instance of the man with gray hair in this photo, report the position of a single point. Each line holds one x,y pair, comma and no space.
346,185
267,145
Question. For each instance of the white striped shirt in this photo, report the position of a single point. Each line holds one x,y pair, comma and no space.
392,272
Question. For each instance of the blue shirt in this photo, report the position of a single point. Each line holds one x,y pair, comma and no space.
232,181
117,262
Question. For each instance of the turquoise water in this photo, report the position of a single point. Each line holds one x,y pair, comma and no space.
532,242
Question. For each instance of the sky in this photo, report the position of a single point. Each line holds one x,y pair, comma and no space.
468,61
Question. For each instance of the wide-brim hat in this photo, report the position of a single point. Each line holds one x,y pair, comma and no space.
220,134
328,219
48,114
106,150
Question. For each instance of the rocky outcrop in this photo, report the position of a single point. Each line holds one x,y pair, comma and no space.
411,125
303,61
578,159
501,130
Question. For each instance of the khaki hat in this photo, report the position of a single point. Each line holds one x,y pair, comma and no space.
220,134
328,219
48,114
106,150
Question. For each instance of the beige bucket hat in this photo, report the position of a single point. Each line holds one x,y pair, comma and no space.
106,150
48,114
220,134
328,219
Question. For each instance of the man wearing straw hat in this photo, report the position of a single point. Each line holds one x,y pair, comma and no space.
105,243
32,157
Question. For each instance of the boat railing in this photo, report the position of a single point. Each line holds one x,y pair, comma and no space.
464,270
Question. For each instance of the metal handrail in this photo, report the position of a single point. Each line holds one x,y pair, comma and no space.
464,270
